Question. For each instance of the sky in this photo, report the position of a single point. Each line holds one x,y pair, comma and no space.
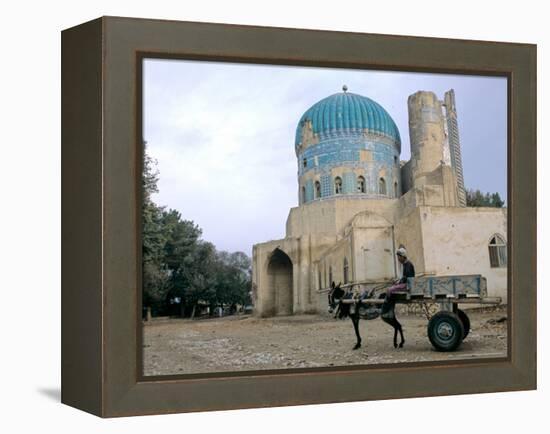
223,136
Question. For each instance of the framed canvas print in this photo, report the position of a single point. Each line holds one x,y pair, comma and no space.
259,216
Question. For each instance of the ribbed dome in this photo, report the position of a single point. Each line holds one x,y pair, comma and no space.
346,113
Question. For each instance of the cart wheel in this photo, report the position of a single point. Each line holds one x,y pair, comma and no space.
465,322
445,331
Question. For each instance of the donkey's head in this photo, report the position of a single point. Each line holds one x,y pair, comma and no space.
335,301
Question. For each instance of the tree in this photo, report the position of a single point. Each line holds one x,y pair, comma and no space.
234,278
476,198
177,263
496,200
194,280
155,277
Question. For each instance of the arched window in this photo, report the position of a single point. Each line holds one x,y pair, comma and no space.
304,162
346,271
303,195
382,186
497,251
317,189
330,275
360,184
338,185
395,192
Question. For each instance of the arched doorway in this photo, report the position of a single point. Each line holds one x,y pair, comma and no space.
279,271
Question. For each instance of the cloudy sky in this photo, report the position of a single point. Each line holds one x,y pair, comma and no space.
223,136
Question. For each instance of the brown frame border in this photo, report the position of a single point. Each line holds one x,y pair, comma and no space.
101,367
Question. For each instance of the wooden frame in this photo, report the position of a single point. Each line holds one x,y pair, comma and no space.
101,370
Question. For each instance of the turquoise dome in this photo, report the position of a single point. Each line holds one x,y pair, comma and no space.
346,113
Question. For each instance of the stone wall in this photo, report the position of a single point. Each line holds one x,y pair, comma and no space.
456,241
427,134
331,216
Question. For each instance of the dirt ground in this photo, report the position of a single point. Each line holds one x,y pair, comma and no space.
243,343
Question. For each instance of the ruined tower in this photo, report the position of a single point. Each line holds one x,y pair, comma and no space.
454,144
427,135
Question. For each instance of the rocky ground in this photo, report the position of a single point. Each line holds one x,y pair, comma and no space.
243,343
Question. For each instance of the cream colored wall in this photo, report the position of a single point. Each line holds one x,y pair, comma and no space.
406,177
302,252
367,244
408,232
439,240
455,241
330,216
265,303
334,257
373,257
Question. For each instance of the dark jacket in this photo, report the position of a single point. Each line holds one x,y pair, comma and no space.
408,271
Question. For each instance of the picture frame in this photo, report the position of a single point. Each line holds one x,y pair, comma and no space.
101,181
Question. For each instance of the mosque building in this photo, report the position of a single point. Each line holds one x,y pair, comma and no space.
358,202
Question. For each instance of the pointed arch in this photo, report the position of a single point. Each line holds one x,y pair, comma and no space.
361,184
382,187
280,275
337,185
317,190
498,253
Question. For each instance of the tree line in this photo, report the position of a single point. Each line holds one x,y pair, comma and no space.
181,271
478,199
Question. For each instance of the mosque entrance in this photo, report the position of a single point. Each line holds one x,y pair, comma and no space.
279,271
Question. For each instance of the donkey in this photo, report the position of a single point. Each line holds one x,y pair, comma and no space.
336,297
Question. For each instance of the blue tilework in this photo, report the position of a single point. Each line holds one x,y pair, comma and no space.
344,125
334,152
309,190
326,186
350,113
349,182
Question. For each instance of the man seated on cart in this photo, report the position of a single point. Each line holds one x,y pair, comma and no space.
399,285
407,266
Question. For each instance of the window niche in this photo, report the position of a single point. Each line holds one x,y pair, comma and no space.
382,187
360,184
317,190
338,185
498,255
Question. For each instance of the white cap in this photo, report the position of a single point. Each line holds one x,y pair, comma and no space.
401,252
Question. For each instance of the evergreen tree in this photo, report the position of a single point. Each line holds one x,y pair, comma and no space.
177,263
155,278
476,198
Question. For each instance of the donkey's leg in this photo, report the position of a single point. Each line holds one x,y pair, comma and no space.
400,328
388,316
397,328
395,325
355,321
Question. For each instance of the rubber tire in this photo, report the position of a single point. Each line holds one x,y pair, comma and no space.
452,321
465,322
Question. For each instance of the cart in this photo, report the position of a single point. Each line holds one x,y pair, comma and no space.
450,325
